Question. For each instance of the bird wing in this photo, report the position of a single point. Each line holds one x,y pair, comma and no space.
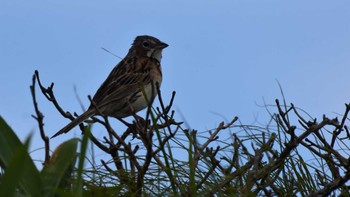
125,80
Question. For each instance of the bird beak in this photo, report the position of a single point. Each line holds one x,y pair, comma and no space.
161,45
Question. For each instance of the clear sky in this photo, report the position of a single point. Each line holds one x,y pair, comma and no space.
223,59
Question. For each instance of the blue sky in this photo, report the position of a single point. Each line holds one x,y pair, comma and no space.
223,59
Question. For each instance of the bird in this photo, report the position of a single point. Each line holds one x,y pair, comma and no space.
131,86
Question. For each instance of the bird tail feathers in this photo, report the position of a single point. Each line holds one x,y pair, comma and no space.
75,122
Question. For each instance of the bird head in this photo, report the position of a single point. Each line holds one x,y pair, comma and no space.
148,46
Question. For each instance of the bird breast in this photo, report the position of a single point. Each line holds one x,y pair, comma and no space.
145,97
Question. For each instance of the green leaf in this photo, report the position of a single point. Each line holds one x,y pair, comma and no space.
9,143
78,186
15,172
57,173
20,170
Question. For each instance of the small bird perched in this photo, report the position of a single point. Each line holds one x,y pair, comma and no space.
131,85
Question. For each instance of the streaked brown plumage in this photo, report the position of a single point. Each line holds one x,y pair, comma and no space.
134,78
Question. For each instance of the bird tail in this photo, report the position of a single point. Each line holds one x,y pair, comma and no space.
75,122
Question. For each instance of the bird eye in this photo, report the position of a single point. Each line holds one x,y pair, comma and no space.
146,44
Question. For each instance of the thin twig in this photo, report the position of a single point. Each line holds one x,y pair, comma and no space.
40,119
